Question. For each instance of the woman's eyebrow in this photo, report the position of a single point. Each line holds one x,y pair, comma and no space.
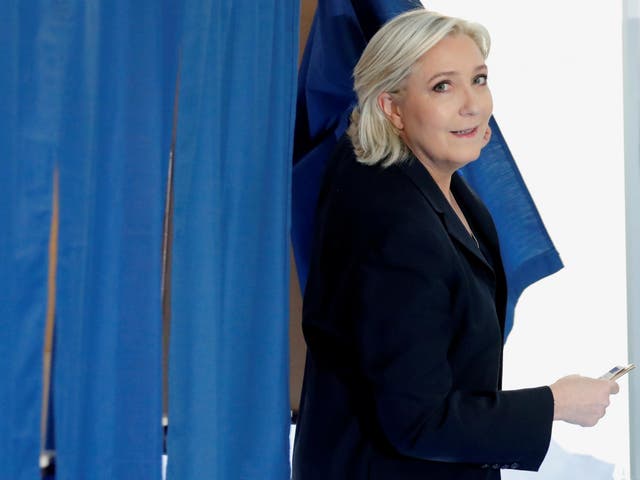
450,73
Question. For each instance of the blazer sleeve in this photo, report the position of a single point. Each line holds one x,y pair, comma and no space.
405,300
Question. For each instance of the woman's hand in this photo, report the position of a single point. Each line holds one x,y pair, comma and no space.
581,400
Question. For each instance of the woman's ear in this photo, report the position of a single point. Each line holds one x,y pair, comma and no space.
389,106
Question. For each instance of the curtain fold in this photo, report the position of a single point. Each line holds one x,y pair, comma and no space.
228,383
114,127
26,159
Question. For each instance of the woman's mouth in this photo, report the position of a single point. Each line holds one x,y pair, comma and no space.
467,133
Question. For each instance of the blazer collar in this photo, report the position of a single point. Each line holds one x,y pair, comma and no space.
422,179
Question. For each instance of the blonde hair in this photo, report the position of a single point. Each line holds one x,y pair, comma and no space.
384,65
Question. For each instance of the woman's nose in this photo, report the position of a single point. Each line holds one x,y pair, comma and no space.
470,102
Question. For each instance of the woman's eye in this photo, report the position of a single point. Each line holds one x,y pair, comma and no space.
480,80
441,87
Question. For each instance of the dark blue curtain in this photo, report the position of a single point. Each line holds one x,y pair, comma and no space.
26,159
229,403
340,31
527,251
115,115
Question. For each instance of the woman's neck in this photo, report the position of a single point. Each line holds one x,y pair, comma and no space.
441,177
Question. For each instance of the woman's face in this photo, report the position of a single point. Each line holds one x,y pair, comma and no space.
443,109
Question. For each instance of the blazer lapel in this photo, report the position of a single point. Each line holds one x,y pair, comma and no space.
482,223
422,179
476,212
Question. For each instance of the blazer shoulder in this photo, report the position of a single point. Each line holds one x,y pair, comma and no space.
371,194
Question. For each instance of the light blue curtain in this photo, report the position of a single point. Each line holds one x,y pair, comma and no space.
114,132
229,403
26,159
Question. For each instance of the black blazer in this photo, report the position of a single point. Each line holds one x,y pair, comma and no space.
403,316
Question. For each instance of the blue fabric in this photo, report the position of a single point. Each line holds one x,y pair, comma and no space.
338,36
228,383
527,251
26,159
110,70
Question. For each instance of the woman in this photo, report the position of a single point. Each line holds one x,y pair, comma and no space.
404,307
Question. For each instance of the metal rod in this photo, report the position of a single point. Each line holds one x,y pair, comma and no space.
631,75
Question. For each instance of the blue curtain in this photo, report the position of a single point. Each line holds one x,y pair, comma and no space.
115,115
527,251
340,31
26,159
90,87
229,403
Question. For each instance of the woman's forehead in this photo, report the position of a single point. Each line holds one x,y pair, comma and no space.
454,54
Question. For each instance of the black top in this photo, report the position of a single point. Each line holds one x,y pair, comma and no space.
403,316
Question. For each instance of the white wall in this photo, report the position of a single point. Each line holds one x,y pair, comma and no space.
555,70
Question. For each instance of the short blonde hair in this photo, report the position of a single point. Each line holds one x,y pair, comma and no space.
385,64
